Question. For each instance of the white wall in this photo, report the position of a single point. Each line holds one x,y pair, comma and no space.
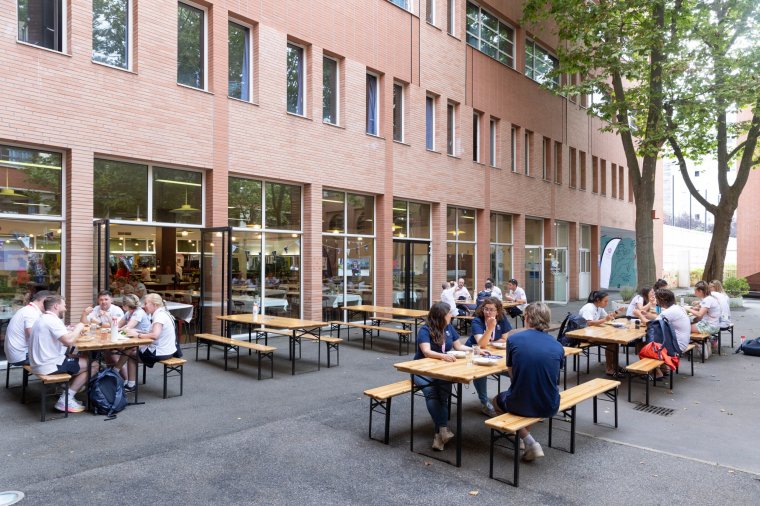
684,250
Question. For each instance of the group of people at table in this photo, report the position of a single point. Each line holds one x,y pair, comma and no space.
37,336
535,358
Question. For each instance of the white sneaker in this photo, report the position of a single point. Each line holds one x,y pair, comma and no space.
74,405
438,443
487,409
533,452
446,435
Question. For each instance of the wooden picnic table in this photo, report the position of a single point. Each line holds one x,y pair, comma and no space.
456,373
606,335
417,315
299,329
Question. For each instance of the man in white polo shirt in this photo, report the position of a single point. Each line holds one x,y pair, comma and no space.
516,294
20,329
47,351
104,313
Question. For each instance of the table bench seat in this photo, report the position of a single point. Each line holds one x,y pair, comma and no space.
173,366
47,380
262,350
403,334
644,368
380,402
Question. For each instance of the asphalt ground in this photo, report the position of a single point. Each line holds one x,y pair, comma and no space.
231,439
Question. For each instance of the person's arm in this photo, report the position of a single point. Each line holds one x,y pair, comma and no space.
484,338
698,313
522,299
429,353
155,332
69,339
85,314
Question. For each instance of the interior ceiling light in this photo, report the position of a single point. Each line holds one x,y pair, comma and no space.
185,208
9,192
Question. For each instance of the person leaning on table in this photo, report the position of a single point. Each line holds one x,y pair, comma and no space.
678,319
434,339
19,329
536,359
594,314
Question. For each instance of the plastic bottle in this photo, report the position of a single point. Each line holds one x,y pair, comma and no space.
114,329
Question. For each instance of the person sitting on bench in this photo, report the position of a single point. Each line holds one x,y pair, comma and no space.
20,329
516,294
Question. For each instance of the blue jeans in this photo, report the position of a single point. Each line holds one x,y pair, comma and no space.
437,395
481,386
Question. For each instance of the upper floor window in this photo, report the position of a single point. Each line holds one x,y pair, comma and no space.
539,63
430,11
451,10
373,104
490,35
31,182
475,137
295,79
42,23
398,112
404,4
111,31
450,128
239,61
329,90
430,122
191,46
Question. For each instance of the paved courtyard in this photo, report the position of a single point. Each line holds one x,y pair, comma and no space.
303,439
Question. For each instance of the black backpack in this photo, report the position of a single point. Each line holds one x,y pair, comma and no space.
107,393
570,323
482,295
750,347
660,331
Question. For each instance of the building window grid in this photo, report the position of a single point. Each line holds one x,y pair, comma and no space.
430,11
594,174
582,163
539,63
456,241
240,73
52,36
451,16
112,28
613,186
573,168
513,148
527,146
545,158
450,128
621,183
490,35
189,73
603,177
407,229
404,4
500,245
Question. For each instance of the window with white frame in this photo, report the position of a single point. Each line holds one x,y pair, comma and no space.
527,147
513,148
42,23
398,112
539,64
501,248
296,92
461,232
476,137
450,128
492,141
451,13
191,46
404,4
239,61
329,90
373,105
430,11
430,122
112,32
490,35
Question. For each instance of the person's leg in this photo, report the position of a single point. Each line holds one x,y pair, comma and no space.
533,449
611,358
438,410
481,387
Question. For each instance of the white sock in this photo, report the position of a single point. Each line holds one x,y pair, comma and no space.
72,393
528,440
130,383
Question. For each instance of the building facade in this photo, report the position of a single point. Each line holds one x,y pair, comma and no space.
361,151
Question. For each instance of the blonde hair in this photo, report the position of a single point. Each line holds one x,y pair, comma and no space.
131,301
538,316
717,285
154,299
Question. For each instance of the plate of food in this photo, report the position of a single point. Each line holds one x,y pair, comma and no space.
85,339
499,344
619,325
486,359
456,353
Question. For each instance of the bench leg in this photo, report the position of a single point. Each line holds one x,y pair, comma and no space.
144,372
516,461
166,377
258,362
181,379
595,410
615,400
24,384
387,420
731,331
630,384
647,390
490,456
691,360
572,430
703,350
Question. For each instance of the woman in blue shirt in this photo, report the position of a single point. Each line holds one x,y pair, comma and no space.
434,339
491,323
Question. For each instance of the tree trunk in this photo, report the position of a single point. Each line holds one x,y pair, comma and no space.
646,267
716,256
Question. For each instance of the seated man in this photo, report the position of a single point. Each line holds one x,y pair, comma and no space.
536,359
20,329
461,293
105,313
495,290
47,351
516,294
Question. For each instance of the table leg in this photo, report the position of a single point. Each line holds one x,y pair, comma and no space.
319,348
89,374
459,424
411,418
293,353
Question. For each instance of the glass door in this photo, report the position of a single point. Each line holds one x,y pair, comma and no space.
556,279
411,274
101,257
215,277
534,273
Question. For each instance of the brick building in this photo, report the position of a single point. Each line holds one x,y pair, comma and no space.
364,150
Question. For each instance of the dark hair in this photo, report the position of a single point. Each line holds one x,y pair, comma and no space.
436,321
597,295
42,294
497,304
644,292
665,297
489,279
513,281
51,301
445,286
703,287
660,283
105,292
489,285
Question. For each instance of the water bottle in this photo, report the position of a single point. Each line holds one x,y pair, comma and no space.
255,308
114,329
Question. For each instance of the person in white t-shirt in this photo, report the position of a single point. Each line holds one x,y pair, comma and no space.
162,333
676,315
447,296
716,290
19,329
594,314
641,304
47,351
495,290
707,314
105,313
461,293
516,294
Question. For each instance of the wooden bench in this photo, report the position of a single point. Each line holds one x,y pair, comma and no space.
8,367
171,365
331,343
644,368
700,339
507,426
47,380
403,334
726,328
463,322
380,402
688,352
262,351
405,324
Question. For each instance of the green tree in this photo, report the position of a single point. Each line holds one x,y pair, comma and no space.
720,80
624,51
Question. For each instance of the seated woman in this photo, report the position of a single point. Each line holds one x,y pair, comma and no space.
679,322
491,323
707,313
716,290
641,304
536,359
595,314
434,339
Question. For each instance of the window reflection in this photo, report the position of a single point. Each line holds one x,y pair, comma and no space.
283,206
333,210
244,202
121,189
31,181
361,214
177,196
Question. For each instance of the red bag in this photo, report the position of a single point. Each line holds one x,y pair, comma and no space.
658,352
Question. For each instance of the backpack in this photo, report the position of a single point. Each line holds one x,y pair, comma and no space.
178,353
570,323
107,393
660,331
750,347
482,296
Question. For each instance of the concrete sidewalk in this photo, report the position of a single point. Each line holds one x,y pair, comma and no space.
234,440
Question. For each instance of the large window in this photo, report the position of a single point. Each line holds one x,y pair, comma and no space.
430,122
490,35
42,23
411,220
460,245
329,90
266,245
513,148
31,182
501,248
539,63
398,112
111,32
348,251
238,61
191,46
295,79
373,105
